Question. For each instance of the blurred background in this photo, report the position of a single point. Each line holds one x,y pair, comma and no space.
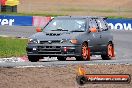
121,8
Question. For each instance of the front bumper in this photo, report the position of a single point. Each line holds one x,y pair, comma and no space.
54,50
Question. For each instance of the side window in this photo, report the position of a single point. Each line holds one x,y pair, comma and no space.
93,24
102,24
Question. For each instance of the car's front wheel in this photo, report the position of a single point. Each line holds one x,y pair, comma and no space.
33,58
109,53
85,53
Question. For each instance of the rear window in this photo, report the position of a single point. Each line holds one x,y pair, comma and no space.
102,24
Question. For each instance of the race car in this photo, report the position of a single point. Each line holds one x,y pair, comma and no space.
72,36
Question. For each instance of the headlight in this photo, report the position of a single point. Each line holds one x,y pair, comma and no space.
63,41
33,41
74,41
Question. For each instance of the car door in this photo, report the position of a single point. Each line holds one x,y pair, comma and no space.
104,33
94,37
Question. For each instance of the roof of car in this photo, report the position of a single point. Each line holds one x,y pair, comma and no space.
80,17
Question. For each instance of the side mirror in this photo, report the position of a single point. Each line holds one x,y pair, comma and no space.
93,30
38,29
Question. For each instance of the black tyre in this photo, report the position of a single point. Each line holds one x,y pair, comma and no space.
61,58
33,58
85,53
109,53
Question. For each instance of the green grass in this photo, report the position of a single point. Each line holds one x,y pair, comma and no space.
115,17
110,10
12,47
31,14
103,10
54,15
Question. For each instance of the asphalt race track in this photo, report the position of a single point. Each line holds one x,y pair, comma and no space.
122,41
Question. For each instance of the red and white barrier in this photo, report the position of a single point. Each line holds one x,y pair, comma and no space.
40,21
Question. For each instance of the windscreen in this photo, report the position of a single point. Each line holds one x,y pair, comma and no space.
66,25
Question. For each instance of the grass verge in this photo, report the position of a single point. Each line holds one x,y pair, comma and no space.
12,47
31,14
54,15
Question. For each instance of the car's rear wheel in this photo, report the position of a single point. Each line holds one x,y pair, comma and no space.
85,55
34,58
109,53
61,58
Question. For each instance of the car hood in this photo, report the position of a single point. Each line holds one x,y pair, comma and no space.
55,35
